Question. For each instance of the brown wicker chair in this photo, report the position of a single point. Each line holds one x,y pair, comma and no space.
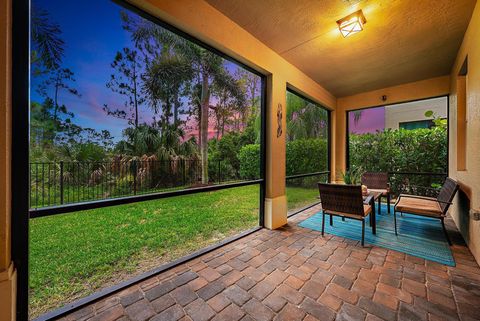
428,206
344,201
378,182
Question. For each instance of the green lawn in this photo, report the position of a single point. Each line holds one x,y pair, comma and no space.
298,197
73,255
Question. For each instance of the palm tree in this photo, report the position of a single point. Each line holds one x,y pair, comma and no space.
141,140
305,119
48,46
231,100
357,115
164,77
207,68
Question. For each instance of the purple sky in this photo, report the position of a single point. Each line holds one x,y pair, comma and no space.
371,121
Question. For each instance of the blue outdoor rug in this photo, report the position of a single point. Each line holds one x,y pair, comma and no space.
418,236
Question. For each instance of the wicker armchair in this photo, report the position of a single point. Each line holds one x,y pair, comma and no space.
344,201
378,182
428,206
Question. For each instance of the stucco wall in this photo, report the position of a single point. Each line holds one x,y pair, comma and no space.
414,111
469,196
7,273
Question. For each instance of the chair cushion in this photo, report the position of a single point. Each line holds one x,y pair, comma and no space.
419,206
378,190
367,209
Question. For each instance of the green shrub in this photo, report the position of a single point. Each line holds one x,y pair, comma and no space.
303,156
418,150
224,163
249,157
307,156
124,185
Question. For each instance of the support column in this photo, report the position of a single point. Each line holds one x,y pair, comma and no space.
275,198
7,271
8,282
340,141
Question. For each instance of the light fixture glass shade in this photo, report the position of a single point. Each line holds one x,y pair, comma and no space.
351,24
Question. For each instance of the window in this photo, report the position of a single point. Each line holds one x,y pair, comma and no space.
307,150
417,124
128,111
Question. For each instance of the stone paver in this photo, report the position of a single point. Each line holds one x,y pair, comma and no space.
296,274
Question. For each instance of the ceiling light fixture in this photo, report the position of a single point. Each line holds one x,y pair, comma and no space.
352,23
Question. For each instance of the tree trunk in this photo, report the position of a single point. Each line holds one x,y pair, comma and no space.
135,101
205,101
55,103
176,108
167,111
223,125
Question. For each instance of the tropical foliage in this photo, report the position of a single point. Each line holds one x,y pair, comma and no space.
412,151
352,176
204,108
303,156
418,150
305,119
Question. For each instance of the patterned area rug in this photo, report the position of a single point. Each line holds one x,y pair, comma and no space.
418,236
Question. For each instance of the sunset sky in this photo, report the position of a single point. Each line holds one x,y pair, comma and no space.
371,121
92,38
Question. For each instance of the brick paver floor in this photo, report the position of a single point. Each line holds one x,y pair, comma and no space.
296,274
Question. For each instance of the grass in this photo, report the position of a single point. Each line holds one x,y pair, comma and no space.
73,255
298,197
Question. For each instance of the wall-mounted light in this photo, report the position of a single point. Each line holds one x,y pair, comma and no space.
352,23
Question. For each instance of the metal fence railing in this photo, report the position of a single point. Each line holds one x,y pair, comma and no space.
304,190
418,183
59,183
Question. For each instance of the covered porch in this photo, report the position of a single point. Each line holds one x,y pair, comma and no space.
280,266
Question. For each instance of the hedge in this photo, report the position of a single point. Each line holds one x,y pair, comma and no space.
307,156
419,150
249,157
303,156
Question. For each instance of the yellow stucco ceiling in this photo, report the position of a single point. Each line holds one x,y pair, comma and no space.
403,40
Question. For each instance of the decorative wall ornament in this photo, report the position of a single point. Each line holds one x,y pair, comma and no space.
279,120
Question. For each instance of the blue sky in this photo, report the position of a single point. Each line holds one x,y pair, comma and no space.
92,31
92,37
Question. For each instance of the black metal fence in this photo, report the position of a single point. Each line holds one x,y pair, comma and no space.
417,183
59,183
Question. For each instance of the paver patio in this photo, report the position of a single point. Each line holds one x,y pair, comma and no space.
296,274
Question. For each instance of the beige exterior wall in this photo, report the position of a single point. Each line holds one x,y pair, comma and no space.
7,272
428,88
469,179
414,111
